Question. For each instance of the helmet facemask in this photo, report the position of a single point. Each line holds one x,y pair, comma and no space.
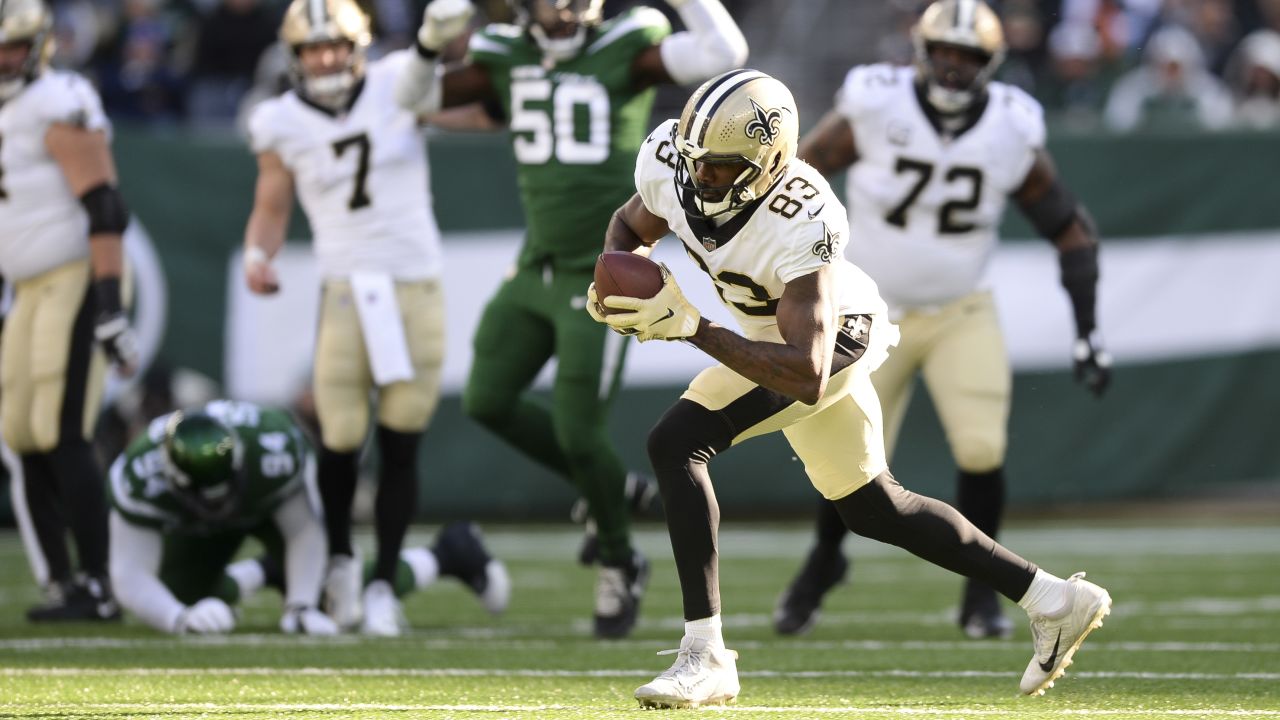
203,461
967,26
331,89
729,198
29,23
559,27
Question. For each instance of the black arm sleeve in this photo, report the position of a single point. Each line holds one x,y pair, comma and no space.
1053,212
1080,278
106,209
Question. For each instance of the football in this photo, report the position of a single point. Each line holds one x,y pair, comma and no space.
626,274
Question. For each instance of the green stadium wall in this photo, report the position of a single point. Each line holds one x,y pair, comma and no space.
1197,424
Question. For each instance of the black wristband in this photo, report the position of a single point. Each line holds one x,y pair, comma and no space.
1080,278
106,292
425,54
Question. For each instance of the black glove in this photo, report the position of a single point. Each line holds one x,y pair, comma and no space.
1092,363
112,326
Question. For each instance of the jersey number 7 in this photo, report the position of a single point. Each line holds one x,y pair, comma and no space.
359,198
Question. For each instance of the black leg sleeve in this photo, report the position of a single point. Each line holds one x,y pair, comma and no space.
830,528
682,442
84,501
397,497
883,510
980,498
41,491
336,478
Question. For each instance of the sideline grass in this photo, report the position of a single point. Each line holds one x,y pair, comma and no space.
1195,633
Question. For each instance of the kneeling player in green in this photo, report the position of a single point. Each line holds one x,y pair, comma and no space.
191,488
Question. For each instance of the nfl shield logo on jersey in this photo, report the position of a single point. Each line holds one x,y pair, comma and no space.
709,244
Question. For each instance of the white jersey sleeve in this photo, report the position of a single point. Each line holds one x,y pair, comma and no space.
1024,118
655,170
264,126
865,90
44,225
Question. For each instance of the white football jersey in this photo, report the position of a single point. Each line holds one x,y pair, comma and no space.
925,209
361,177
796,229
42,224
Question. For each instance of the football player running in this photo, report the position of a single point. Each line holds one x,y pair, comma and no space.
770,233
61,226
933,152
577,91
358,163
191,488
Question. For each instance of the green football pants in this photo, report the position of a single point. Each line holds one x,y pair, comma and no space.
537,315
193,566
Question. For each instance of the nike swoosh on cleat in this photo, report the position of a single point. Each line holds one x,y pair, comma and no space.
1047,665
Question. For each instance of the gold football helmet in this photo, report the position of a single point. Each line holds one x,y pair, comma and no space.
317,21
742,116
25,21
966,24
559,27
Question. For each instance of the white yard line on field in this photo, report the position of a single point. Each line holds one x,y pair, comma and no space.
221,708
496,643
615,673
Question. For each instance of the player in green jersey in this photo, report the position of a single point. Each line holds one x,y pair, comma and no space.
576,91
192,487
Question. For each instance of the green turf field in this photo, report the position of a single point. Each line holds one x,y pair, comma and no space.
1195,633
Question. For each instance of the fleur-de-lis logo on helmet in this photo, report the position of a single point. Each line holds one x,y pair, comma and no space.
764,124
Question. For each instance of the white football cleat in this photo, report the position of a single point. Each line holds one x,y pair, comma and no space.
1057,639
383,615
701,675
341,597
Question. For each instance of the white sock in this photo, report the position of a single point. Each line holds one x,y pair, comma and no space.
1048,595
248,575
423,564
708,629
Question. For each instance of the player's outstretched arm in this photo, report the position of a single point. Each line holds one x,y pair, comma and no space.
425,87
711,44
830,146
1056,214
85,159
264,234
135,569
798,367
305,553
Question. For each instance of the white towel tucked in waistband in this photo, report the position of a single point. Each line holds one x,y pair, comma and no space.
375,298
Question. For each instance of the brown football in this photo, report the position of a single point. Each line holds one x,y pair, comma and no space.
626,274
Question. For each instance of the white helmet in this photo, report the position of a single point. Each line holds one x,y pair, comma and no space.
742,116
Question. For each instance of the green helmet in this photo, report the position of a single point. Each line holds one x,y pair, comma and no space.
203,459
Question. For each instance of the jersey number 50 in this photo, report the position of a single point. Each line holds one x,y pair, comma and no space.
541,133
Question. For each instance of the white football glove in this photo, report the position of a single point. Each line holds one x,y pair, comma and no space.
442,21
208,616
665,316
308,620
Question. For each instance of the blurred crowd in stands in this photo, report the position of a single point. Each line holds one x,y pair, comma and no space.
1122,64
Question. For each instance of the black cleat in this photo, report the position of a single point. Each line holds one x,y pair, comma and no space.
618,594
798,606
88,600
641,491
980,613
461,554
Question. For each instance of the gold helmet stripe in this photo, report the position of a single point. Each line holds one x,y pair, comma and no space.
713,98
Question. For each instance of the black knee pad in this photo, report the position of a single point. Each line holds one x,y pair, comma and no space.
687,432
